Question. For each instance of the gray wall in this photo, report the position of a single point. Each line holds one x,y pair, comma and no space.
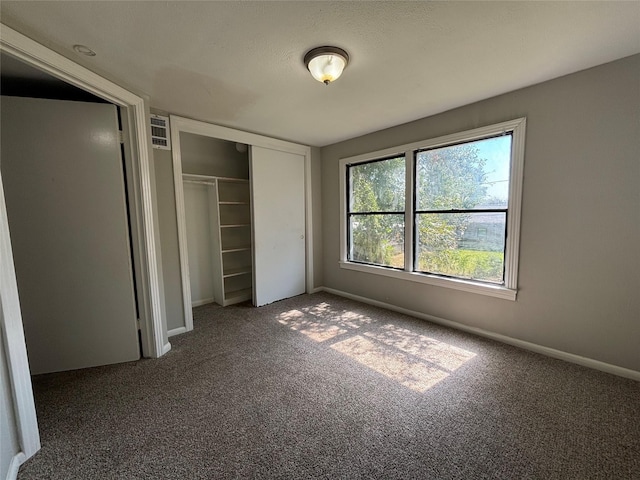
579,279
210,156
316,215
168,225
198,209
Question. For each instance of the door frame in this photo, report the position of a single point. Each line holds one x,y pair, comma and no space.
180,124
136,130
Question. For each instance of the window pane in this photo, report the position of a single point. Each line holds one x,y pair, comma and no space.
377,186
377,239
468,176
464,245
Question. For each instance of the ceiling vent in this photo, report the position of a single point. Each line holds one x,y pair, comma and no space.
160,132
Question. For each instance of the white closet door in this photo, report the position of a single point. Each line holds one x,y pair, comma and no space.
278,214
64,188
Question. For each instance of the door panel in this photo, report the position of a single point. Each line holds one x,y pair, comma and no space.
64,188
278,215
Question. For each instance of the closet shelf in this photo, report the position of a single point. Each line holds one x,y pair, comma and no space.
212,179
232,272
236,249
230,223
232,180
238,295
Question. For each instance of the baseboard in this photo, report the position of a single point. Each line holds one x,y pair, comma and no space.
176,331
550,352
166,348
17,460
199,303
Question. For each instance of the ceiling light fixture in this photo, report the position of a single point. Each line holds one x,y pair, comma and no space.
326,63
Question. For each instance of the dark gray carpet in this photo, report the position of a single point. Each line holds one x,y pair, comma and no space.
322,387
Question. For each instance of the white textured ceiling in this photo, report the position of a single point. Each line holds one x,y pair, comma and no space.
239,64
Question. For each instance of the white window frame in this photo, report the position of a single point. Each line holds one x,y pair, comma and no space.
507,291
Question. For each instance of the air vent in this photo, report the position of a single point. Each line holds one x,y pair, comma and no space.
160,132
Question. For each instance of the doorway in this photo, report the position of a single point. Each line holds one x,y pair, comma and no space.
67,209
154,340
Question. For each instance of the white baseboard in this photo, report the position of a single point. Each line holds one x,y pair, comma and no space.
17,460
198,303
550,352
166,348
176,331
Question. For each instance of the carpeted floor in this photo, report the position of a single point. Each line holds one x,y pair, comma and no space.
319,386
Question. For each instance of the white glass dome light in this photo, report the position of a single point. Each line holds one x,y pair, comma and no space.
326,63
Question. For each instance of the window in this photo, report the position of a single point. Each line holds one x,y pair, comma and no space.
461,189
444,211
376,212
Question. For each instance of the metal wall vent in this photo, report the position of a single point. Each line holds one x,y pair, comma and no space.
160,137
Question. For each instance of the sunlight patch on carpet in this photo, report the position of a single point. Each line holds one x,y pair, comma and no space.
320,322
313,328
397,365
440,354
416,361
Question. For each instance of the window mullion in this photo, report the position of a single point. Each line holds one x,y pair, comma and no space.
408,211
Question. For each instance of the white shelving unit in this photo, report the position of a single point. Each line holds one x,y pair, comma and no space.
230,220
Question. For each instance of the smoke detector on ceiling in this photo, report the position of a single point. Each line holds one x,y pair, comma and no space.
84,50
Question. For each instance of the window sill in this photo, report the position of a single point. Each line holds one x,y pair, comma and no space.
497,291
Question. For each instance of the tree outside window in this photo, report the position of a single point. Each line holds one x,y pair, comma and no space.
459,217
462,195
376,212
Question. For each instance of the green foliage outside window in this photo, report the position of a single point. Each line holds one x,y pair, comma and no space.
378,238
460,244
455,178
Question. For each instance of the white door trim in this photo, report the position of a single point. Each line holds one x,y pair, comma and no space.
15,346
187,125
153,335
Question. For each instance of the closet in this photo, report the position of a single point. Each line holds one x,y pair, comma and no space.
246,200
220,246
218,220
